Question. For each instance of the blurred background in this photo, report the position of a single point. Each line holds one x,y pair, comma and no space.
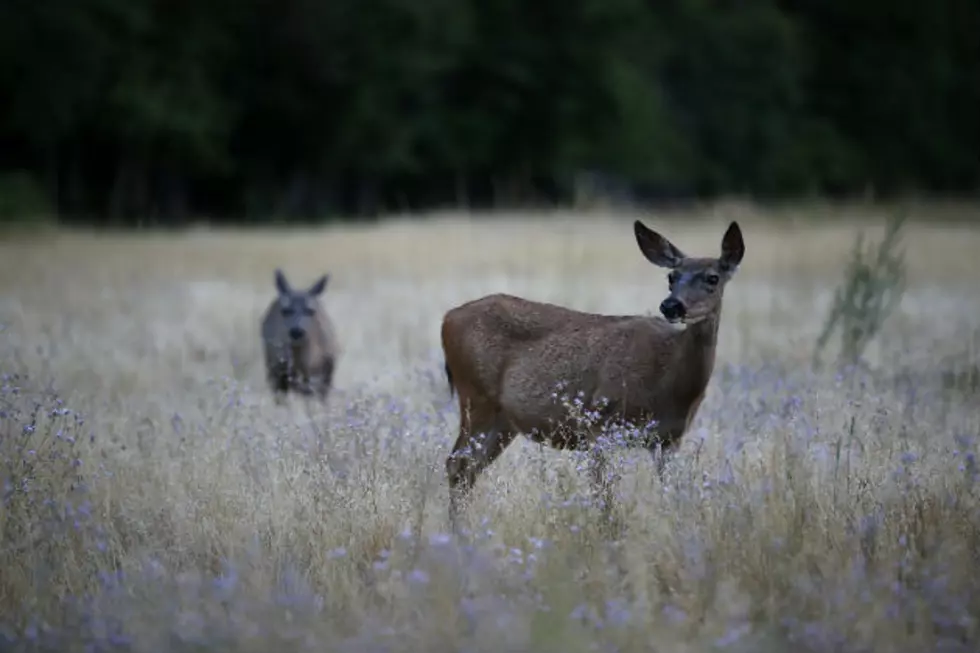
163,112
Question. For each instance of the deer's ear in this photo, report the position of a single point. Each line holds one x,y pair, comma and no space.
319,286
732,247
281,284
657,249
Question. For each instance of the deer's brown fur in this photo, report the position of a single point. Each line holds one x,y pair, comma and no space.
505,355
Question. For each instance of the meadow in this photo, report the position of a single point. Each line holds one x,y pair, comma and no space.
155,498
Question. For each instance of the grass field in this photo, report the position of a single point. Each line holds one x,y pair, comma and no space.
155,498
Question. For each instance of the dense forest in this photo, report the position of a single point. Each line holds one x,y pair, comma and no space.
161,110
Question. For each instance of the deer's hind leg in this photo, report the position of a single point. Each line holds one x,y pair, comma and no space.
600,446
483,436
601,481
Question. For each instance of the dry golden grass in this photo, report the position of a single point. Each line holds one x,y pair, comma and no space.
156,499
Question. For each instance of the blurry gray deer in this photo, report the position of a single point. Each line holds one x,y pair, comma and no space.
505,356
300,342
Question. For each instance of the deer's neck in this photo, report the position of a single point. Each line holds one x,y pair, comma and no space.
695,352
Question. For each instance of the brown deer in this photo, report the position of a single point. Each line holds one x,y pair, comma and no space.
299,341
505,356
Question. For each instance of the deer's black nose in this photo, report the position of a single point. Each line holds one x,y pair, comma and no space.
672,309
295,333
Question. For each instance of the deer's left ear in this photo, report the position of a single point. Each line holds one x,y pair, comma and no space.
732,248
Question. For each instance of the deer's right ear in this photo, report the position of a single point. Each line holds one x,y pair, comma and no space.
281,284
318,287
732,247
657,249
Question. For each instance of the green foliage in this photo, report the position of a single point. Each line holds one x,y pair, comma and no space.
139,109
22,200
874,281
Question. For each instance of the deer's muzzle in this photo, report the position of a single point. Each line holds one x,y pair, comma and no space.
673,309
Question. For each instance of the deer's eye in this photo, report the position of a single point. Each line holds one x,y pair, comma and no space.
712,279
288,311
307,310
672,278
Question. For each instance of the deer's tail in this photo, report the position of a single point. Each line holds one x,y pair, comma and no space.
449,378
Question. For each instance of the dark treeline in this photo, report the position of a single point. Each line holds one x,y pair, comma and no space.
125,110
